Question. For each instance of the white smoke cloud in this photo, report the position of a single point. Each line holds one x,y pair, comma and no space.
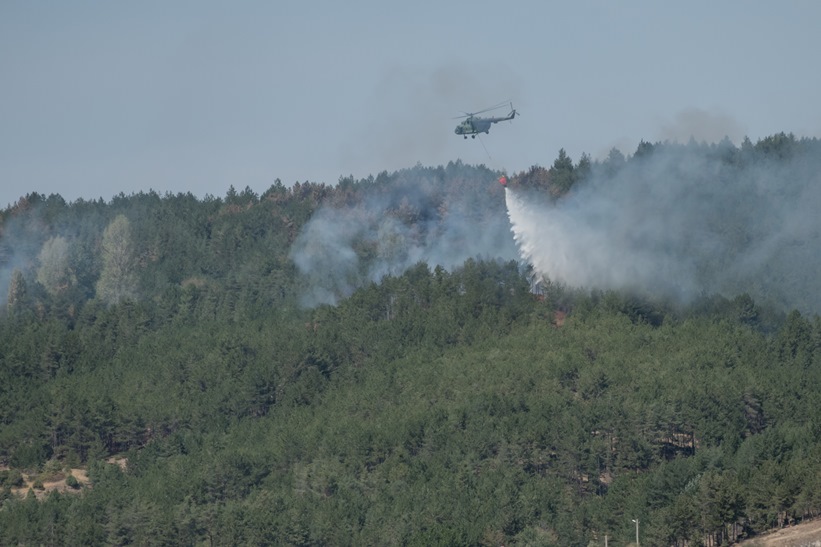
396,227
683,221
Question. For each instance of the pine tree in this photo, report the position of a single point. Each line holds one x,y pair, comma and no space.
18,292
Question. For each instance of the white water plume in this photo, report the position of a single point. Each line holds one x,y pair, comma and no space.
684,221
576,248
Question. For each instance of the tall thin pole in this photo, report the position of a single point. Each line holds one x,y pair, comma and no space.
637,531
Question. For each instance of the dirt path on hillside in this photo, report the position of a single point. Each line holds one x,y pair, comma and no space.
807,534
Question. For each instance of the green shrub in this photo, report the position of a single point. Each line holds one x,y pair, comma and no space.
72,482
11,478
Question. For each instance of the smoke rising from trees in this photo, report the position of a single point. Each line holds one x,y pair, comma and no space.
438,216
677,221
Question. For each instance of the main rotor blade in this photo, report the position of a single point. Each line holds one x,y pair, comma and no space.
494,107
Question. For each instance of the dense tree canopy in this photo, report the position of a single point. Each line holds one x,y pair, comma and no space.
224,377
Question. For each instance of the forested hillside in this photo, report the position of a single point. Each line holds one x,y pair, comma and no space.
371,363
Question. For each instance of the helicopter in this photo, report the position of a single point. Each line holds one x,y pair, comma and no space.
473,124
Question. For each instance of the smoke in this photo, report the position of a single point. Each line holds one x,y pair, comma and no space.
419,218
21,240
683,221
409,117
702,126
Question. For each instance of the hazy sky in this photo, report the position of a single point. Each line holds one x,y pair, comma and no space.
98,98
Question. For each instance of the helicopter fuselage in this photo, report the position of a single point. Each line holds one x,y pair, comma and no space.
474,125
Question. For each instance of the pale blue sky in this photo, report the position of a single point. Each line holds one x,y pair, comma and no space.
98,98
